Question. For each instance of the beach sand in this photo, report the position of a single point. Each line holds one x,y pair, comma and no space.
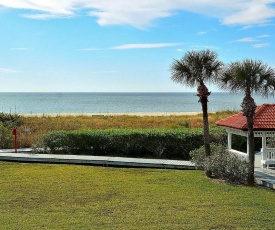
141,114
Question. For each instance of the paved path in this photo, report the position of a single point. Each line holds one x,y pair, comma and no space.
265,177
25,155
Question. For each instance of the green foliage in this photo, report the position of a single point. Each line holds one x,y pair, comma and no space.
7,123
252,76
167,144
222,163
196,67
10,120
5,137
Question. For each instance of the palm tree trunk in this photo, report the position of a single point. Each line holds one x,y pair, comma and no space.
251,152
205,126
248,108
206,133
203,94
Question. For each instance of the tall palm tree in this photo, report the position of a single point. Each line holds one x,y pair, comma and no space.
195,69
249,76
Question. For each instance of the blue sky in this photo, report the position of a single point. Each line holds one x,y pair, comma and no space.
122,45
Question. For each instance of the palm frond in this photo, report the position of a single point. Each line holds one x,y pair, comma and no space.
251,76
196,67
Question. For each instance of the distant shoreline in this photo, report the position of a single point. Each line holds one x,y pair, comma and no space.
140,114
113,104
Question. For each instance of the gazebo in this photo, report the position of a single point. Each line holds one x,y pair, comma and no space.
264,127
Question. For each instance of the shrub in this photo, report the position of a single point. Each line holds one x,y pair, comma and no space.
167,144
222,163
198,157
7,123
5,137
10,120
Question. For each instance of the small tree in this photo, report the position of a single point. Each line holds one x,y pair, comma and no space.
195,69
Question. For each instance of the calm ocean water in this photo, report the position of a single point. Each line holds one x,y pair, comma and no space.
37,103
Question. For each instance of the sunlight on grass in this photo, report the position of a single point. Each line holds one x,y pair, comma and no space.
34,196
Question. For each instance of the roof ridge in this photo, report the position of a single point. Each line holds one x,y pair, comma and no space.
259,109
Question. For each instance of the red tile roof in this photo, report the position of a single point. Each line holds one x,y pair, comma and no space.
264,119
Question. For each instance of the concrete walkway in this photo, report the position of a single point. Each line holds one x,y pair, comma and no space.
25,155
264,177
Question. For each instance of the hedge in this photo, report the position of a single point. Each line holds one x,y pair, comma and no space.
162,144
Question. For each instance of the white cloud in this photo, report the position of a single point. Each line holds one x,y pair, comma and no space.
141,13
49,7
104,71
247,39
251,12
135,46
90,49
45,16
8,71
264,36
260,45
206,47
20,49
201,33
254,40
144,46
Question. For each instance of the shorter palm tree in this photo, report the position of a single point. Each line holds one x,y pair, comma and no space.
249,77
195,69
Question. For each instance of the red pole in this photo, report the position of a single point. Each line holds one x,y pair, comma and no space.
15,143
15,140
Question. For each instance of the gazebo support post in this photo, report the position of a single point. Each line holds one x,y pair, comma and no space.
247,145
263,149
229,139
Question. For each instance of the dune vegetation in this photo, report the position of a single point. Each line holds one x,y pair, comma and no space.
40,125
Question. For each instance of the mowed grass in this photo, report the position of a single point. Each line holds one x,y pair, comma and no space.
44,196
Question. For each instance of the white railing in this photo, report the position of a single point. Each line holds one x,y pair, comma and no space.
241,155
245,157
268,154
264,158
268,157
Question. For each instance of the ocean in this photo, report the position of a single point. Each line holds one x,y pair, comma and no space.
81,103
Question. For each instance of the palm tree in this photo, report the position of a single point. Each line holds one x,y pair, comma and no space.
194,69
249,77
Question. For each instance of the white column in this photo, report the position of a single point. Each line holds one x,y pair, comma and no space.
263,145
264,140
229,139
247,150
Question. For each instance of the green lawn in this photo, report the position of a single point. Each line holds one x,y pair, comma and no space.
44,196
